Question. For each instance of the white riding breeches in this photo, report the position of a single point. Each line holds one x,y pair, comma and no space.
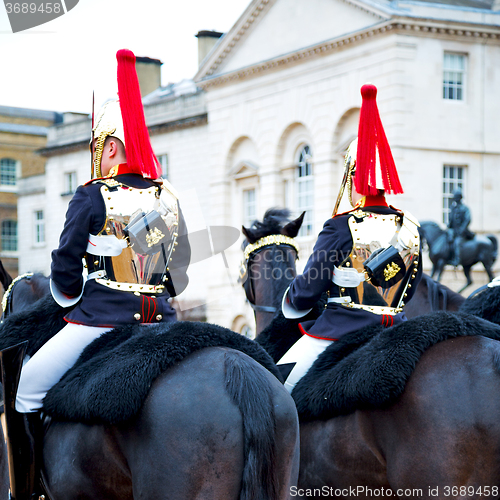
303,353
50,363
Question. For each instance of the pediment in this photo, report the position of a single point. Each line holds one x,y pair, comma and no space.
271,28
243,169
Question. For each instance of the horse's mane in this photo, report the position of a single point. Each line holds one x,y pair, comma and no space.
430,223
485,304
436,290
272,223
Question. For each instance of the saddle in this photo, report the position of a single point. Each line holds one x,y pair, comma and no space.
112,377
368,369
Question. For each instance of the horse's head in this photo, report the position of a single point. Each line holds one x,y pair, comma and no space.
430,231
269,262
24,291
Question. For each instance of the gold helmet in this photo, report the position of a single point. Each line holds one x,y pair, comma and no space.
108,123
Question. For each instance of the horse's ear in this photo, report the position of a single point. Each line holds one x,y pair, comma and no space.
292,228
248,234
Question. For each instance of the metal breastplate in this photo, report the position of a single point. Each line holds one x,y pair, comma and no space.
375,236
132,251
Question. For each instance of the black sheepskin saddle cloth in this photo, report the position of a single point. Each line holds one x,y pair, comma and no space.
369,369
112,377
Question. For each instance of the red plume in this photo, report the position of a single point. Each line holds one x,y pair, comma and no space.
140,156
371,137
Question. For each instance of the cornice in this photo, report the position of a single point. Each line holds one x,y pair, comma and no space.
405,25
183,123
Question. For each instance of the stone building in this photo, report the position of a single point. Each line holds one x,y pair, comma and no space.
22,132
276,102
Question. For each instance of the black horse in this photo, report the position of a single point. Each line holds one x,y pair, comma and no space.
441,431
216,425
482,249
432,296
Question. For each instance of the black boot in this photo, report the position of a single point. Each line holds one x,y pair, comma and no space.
21,429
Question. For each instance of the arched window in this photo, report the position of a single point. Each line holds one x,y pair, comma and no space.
8,172
305,189
9,236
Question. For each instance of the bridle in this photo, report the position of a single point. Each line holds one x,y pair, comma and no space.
253,249
7,296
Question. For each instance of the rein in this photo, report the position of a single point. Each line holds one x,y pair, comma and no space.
253,249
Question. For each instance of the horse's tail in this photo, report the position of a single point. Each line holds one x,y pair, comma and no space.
251,392
493,240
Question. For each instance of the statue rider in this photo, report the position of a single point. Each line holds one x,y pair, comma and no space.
367,259
126,225
458,227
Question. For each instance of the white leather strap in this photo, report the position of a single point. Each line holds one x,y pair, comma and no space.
107,246
347,277
96,274
340,300
494,282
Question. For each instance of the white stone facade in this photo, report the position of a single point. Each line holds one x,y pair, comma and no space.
288,74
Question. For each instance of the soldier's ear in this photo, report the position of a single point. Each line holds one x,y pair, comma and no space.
292,228
112,147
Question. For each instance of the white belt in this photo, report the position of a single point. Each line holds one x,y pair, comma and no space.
347,277
340,300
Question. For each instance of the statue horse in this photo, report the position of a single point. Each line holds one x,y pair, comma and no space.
482,249
443,430
216,425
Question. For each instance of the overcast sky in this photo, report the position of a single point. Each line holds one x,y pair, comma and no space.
57,65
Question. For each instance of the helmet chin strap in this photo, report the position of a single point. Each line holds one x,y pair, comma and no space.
99,147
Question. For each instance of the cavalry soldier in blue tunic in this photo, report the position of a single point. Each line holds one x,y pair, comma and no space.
127,226
367,260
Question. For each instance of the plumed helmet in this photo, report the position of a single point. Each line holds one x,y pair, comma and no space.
124,119
375,168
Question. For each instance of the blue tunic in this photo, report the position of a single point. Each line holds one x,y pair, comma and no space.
100,305
333,246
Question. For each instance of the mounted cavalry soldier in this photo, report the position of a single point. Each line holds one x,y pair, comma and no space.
126,225
367,260
458,226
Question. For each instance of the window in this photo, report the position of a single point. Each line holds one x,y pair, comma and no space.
305,189
9,236
8,172
453,178
249,207
39,227
70,183
454,76
163,159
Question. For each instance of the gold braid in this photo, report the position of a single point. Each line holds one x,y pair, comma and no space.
5,297
273,239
